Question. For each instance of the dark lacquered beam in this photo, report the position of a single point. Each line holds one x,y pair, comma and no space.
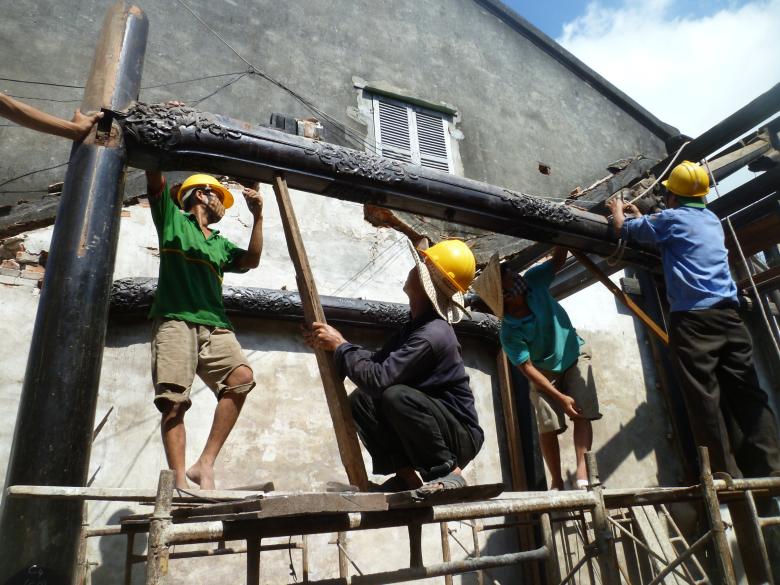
180,138
53,434
728,129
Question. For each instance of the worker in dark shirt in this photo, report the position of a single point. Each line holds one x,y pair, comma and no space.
413,405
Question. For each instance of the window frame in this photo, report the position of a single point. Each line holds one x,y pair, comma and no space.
415,153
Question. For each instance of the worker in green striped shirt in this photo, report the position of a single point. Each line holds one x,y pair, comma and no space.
192,334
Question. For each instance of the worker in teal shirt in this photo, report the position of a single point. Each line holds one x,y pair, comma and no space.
539,339
712,346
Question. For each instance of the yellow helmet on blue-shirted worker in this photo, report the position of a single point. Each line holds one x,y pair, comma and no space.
688,179
455,261
203,180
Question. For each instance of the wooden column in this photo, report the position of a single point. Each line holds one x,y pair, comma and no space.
336,395
525,532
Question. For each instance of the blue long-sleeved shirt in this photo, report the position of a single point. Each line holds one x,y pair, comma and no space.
691,242
424,354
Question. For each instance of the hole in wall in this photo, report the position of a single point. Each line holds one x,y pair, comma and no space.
544,169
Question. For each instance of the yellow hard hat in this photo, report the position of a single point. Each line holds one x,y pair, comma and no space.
201,180
688,180
455,261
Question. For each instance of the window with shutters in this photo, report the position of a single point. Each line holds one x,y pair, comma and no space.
412,134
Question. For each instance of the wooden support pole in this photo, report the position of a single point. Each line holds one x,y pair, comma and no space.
336,395
305,558
525,533
341,544
608,562
446,555
722,555
159,546
253,561
129,558
476,555
621,296
415,545
552,570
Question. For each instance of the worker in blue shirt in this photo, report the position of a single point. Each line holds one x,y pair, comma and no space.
540,340
712,346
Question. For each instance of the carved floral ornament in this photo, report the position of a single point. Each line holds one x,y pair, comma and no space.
155,124
361,164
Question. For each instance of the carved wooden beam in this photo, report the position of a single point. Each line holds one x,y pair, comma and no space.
134,296
181,138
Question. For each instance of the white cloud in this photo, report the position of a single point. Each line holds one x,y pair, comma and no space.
690,72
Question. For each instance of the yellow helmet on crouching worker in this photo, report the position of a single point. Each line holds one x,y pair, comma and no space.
201,180
688,179
455,261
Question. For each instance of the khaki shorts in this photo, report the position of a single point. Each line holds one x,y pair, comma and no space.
576,382
181,349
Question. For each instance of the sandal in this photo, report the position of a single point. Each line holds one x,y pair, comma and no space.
448,482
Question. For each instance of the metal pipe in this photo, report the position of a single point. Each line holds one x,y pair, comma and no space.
161,136
756,295
284,526
758,535
441,569
642,545
52,438
682,558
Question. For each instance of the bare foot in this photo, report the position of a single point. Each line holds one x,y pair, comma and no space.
202,474
181,481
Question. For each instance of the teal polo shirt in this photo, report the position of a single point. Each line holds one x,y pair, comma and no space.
192,266
546,336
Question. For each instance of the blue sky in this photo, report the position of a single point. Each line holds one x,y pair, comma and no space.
689,62
551,15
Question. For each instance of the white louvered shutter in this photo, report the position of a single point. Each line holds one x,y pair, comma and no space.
432,140
393,137
410,134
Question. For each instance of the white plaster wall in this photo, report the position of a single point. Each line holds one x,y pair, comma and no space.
633,441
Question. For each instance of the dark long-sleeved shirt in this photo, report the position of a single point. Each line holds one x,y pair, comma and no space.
424,354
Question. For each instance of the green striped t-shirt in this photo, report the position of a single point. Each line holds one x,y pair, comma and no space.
189,287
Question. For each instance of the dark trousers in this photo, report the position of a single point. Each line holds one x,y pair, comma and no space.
408,428
728,410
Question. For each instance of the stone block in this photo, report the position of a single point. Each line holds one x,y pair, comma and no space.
24,257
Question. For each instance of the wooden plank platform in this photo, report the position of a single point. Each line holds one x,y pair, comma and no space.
469,493
260,507
275,506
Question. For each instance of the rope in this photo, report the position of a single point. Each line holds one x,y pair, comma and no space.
617,255
666,170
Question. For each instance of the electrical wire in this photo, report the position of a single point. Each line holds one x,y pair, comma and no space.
348,132
170,83
220,88
40,99
11,180
366,266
